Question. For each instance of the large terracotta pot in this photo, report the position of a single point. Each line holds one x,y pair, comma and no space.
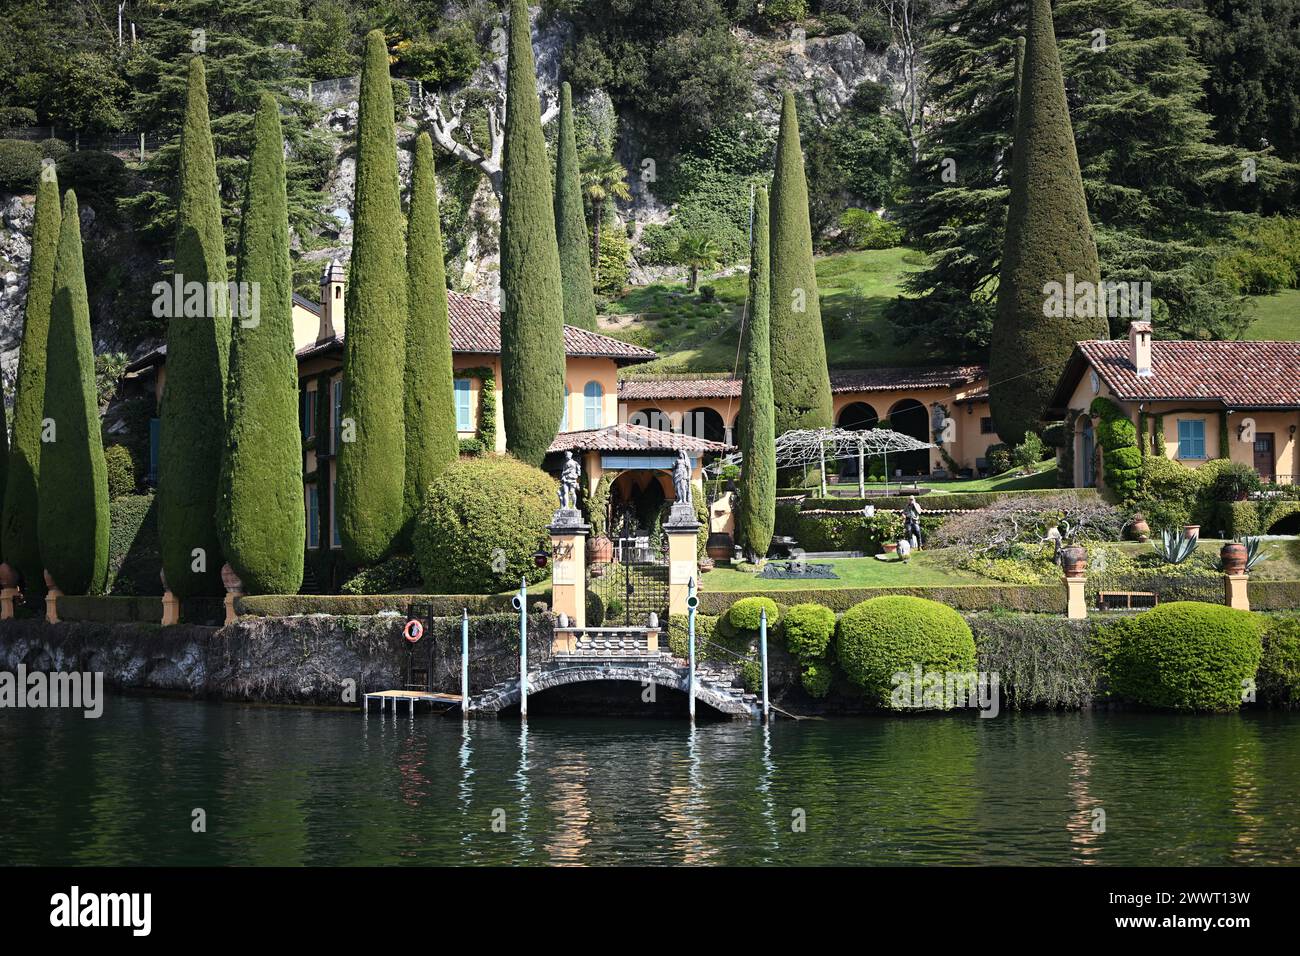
1139,528
1074,560
600,550
230,579
1233,555
1192,531
720,547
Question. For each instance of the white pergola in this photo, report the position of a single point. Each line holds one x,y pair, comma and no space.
816,446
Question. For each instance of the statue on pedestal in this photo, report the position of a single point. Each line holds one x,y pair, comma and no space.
912,522
569,482
682,480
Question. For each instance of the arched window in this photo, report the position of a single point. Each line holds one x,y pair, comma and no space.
593,400
564,419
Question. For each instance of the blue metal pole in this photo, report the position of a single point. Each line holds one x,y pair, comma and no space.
690,643
464,663
762,649
523,647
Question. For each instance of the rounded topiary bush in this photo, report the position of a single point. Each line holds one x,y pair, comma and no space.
816,680
1187,655
883,636
744,615
808,630
121,471
480,523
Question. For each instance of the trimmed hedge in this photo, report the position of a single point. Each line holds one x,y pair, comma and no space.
883,636
444,605
1279,667
134,554
129,609
1042,598
746,614
1187,655
1271,595
957,501
808,630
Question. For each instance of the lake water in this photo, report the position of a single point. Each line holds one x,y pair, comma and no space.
295,786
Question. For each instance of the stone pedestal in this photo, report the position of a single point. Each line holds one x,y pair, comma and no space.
231,614
569,568
52,605
171,609
1076,608
8,598
1234,591
682,556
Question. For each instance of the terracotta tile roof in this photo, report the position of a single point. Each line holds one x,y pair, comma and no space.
856,380
476,327
650,390
1237,374
624,437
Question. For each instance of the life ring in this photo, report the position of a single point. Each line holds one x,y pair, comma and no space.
413,631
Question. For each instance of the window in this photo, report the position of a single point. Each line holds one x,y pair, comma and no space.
335,541
1191,438
337,389
309,397
464,416
564,419
592,400
313,517
986,426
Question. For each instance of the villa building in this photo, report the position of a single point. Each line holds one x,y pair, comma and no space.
1190,401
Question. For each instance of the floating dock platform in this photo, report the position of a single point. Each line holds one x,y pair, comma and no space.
412,698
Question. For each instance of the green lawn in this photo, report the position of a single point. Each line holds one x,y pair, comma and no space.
1044,477
924,569
1276,317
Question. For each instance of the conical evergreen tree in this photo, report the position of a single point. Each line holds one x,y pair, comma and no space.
431,442
192,432
532,300
756,422
1048,238
372,446
261,517
72,511
19,544
801,385
571,224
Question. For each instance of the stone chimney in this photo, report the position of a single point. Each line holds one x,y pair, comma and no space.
331,301
1139,347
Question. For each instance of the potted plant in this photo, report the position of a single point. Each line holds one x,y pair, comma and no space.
1139,528
1074,560
1233,555
705,564
601,549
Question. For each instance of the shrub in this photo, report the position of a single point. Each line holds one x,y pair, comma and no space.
1117,436
480,525
679,634
13,117
816,680
1187,655
133,556
121,471
887,635
998,456
875,33
1028,453
745,614
751,676
1042,660
99,178
20,164
1167,492
808,630
398,572
1010,525
1279,666
1234,481
863,229
54,148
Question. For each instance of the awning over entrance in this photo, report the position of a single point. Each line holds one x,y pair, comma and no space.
637,439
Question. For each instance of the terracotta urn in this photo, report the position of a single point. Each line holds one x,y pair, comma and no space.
1233,555
720,546
890,547
1191,531
8,576
230,579
1074,560
1139,528
601,549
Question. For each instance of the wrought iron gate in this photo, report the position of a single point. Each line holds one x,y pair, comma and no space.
624,592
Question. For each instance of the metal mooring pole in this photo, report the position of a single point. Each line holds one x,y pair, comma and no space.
464,664
691,602
762,650
523,647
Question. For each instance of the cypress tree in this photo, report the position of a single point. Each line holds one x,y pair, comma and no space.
801,385
72,510
532,311
431,442
261,518
756,422
19,543
372,447
571,224
192,432
1048,237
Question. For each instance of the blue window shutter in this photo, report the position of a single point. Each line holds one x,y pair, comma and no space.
464,420
591,399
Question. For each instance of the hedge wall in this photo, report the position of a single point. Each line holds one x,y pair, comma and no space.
134,559
127,609
958,501
444,605
1042,598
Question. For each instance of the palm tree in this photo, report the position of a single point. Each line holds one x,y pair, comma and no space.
603,177
697,251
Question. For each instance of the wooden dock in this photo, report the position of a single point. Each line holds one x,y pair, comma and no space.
394,698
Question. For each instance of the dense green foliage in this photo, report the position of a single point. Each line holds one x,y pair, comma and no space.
884,636
133,552
260,514
20,164
801,387
1117,438
72,510
808,630
1184,656
398,572
1279,666
571,224
1048,239
193,409
756,511
480,525
746,614
19,545
430,403
120,471
532,298
1042,660
371,479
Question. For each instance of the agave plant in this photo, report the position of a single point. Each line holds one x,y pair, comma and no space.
1254,551
1174,547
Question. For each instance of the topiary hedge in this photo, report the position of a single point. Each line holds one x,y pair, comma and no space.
1117,437
884,636
1278,682
480,524
1043,598
808,630
957,501
443,605
20,164
121,471
134,558
399,571
1187,655
746,614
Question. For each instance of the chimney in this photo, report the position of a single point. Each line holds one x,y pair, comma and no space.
1139,347
331,301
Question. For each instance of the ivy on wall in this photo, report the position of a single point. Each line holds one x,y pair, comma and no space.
484,441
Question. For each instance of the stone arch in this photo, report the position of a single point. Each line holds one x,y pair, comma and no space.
705,422
506,695
857,416
1283,518
910,417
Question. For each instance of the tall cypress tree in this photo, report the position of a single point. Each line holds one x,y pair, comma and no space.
19,543
430,402
371,480
1048,238
756,422
801,385
571,224
261,516
72,511
192,432
532,310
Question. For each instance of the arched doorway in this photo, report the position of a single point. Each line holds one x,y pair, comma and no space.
910,417
640,493
705,422
854,417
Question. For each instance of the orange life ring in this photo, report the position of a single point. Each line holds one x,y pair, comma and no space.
413,631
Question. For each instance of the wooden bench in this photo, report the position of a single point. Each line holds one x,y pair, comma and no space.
1126,600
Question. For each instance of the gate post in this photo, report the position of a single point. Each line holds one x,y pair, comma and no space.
681,529
569,570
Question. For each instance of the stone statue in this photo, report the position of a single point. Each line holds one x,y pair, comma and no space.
912,522
569,482
682,479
